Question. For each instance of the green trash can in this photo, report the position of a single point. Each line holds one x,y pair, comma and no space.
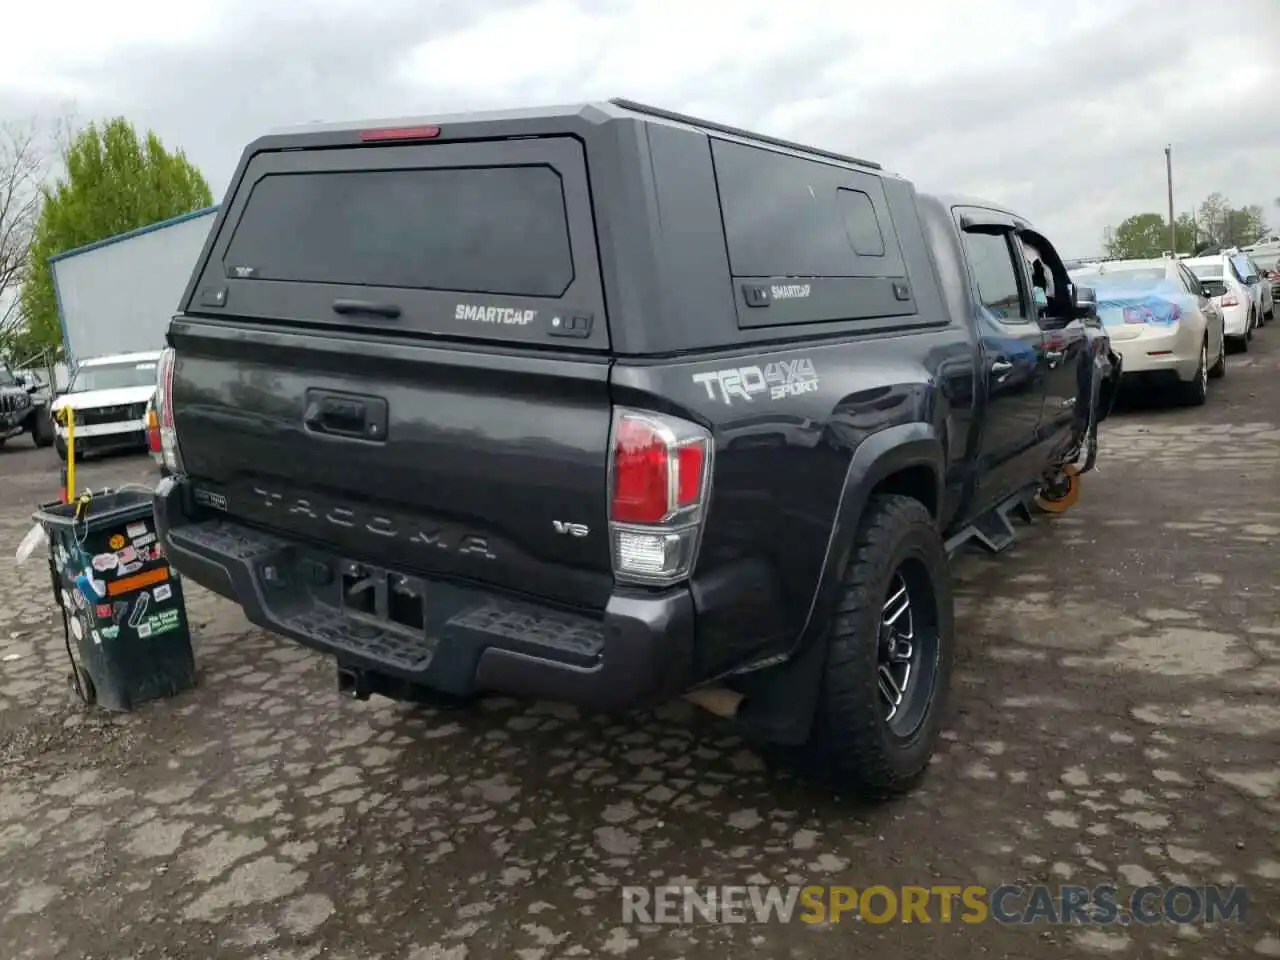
121,602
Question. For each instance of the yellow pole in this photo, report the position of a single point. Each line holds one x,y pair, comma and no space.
71,455
67,417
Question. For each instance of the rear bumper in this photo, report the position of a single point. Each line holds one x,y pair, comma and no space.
1172,354
1235,321
469,641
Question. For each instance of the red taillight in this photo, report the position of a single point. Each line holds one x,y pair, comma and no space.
399,133
690,458
641,486
654,473
660,474
170,452
153,431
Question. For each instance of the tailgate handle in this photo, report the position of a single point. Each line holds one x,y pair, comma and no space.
364,418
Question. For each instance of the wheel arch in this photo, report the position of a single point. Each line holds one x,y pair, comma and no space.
907,459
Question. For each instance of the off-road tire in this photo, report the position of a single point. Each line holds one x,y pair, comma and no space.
850,745
42,432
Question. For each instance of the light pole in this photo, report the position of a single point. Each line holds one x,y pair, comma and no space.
1168,170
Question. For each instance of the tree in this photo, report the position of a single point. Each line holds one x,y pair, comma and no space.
22,170
1226,226
113,180
1213,219
1146,235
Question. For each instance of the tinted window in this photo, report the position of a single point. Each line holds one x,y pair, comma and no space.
498,230
1215,288
788,216
861,223
993,271
1242,268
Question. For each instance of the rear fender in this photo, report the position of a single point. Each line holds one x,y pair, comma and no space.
780,700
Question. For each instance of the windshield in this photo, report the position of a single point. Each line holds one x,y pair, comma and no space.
1241,263
7,379
1207,271
1268,261
113,376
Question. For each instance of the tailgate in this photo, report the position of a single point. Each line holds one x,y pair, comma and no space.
401,350
466,465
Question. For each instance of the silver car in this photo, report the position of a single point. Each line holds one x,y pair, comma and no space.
1161,320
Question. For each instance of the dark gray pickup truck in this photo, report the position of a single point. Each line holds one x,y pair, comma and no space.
608,405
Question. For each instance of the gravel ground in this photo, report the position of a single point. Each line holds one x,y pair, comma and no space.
1116,721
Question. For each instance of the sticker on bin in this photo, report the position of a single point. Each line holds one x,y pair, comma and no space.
144,540
128,568
116,541
139,581
162,592
135,530
161,622
126,554
105,561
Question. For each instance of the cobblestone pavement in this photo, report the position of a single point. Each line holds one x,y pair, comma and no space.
1117,720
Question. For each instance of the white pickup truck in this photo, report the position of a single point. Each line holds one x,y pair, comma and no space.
108,396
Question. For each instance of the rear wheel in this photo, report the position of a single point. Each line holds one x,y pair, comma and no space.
889,657
1219,369
1196,390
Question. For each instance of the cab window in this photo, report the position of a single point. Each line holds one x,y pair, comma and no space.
995,275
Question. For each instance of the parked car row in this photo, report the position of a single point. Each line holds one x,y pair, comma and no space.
1172,318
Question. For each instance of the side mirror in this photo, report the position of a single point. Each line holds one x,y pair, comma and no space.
1086,301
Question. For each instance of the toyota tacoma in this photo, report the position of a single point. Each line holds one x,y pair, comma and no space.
609,405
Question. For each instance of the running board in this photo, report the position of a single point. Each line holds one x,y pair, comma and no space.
994,530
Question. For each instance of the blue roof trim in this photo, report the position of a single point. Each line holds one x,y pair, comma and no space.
130,234
67,356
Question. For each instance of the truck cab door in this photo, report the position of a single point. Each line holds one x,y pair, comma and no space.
1066,343
1013,362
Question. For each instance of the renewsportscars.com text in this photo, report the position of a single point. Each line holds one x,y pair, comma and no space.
1006,904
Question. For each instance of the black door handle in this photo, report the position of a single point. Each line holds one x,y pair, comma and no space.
364,418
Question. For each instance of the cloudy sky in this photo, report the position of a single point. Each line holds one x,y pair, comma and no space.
1060,108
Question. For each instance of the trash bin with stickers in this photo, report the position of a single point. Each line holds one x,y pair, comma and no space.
122,606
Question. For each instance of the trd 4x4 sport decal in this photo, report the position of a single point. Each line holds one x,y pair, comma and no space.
776,380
